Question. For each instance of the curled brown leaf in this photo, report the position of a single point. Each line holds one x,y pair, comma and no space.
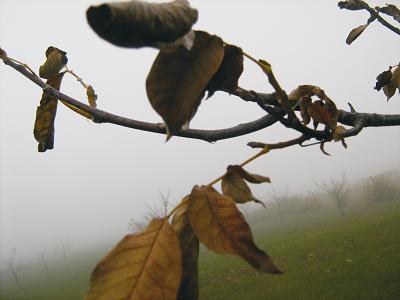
56,59
45,116
137,23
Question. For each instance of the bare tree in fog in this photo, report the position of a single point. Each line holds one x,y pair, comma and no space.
336,190
158,210
42,257
12,266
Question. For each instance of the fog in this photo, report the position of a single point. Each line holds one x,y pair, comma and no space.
84,192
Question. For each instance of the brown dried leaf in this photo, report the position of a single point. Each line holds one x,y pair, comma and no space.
221,227
355,33
136,24
389,90
56,59
390,10
234,186
45,116
324,113
177,80
145,265
306,90
92,96
352,4
338,134
189,288
383,79
305,103
250,177
227,77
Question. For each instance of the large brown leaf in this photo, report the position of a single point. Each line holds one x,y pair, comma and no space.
189,288
45,116
221,227
178,77
227,77
137,23
146,266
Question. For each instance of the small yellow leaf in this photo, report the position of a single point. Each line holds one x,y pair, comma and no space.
145,265
56,59
221,227
92,97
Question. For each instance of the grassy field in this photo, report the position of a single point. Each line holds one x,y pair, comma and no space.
323,256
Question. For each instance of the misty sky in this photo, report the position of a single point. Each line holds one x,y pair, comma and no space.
98,177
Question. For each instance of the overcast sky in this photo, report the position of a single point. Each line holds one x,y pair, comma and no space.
98,177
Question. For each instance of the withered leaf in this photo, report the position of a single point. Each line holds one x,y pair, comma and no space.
383,79
355,33
338,134
45,116
324,113
3,53
234,186
136,24
250,177
92,96
391,10
221,227
189,287
390,88
145,265
305,103
227,77
306,90
177,80
352,4
56,59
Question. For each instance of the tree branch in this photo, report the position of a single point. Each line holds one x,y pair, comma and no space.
354,119
377,16
100,116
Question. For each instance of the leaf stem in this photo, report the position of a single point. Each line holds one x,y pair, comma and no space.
79,79
265,150
262,152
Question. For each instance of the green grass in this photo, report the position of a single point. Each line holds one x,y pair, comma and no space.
323,256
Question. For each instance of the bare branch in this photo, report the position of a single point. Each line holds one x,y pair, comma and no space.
355,119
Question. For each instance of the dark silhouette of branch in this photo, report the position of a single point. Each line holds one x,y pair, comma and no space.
374,14
354,119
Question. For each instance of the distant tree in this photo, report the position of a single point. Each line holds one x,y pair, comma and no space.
42,257
64,249
336,190
380,188
12,266
191,63
279,198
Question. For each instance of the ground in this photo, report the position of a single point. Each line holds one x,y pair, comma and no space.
323,256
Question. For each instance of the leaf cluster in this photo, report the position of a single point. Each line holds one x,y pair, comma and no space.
161,261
